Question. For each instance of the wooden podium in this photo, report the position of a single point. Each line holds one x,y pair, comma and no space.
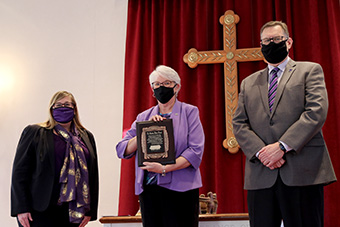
205,220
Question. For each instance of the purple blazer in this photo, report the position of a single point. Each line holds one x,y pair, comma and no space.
189,143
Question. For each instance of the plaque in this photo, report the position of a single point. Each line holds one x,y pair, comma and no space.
155,142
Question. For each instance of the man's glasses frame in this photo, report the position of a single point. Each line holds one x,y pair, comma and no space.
276,39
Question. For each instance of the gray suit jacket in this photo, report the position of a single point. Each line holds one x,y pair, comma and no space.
298,114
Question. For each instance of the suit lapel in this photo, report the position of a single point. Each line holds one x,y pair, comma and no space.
262,82
290,68
47,136
176,110
155,111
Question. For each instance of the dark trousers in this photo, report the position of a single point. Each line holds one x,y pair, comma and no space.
54,216
298,206
161,207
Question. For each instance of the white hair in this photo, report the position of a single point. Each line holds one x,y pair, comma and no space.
166,72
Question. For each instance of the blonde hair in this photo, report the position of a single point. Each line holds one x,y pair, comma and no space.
166,72
283,25
50,123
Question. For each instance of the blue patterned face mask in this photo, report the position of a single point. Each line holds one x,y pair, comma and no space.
63,114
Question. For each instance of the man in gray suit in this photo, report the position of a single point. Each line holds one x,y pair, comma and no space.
277,124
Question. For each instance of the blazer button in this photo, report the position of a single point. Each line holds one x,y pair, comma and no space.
271,123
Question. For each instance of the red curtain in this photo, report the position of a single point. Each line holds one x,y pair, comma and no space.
162,31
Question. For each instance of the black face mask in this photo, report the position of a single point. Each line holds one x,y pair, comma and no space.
275,52
164,94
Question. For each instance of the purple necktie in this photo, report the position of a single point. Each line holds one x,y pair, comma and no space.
272,88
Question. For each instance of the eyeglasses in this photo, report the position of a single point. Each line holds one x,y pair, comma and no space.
66,104
276,39
166,83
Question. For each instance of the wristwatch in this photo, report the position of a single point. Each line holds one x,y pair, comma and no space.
282,148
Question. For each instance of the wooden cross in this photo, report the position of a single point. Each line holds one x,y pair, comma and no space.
229,56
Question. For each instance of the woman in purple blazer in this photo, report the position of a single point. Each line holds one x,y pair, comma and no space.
169,194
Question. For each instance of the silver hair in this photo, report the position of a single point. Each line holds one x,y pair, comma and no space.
166,72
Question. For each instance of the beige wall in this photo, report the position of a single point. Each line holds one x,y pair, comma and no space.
74,45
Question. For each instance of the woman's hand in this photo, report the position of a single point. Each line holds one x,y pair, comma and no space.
25,219
156,167
153,167
157,118
85,221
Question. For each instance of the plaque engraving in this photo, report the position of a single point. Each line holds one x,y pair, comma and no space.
155,142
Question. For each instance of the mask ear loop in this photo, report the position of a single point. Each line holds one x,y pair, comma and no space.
176,93
153,92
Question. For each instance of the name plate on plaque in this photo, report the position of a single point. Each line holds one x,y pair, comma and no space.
155,142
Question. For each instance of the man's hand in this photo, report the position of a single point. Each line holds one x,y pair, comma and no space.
271,156
277,164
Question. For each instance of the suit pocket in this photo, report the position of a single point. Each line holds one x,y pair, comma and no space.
316,141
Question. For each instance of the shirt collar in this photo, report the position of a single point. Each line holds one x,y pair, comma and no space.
281,66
